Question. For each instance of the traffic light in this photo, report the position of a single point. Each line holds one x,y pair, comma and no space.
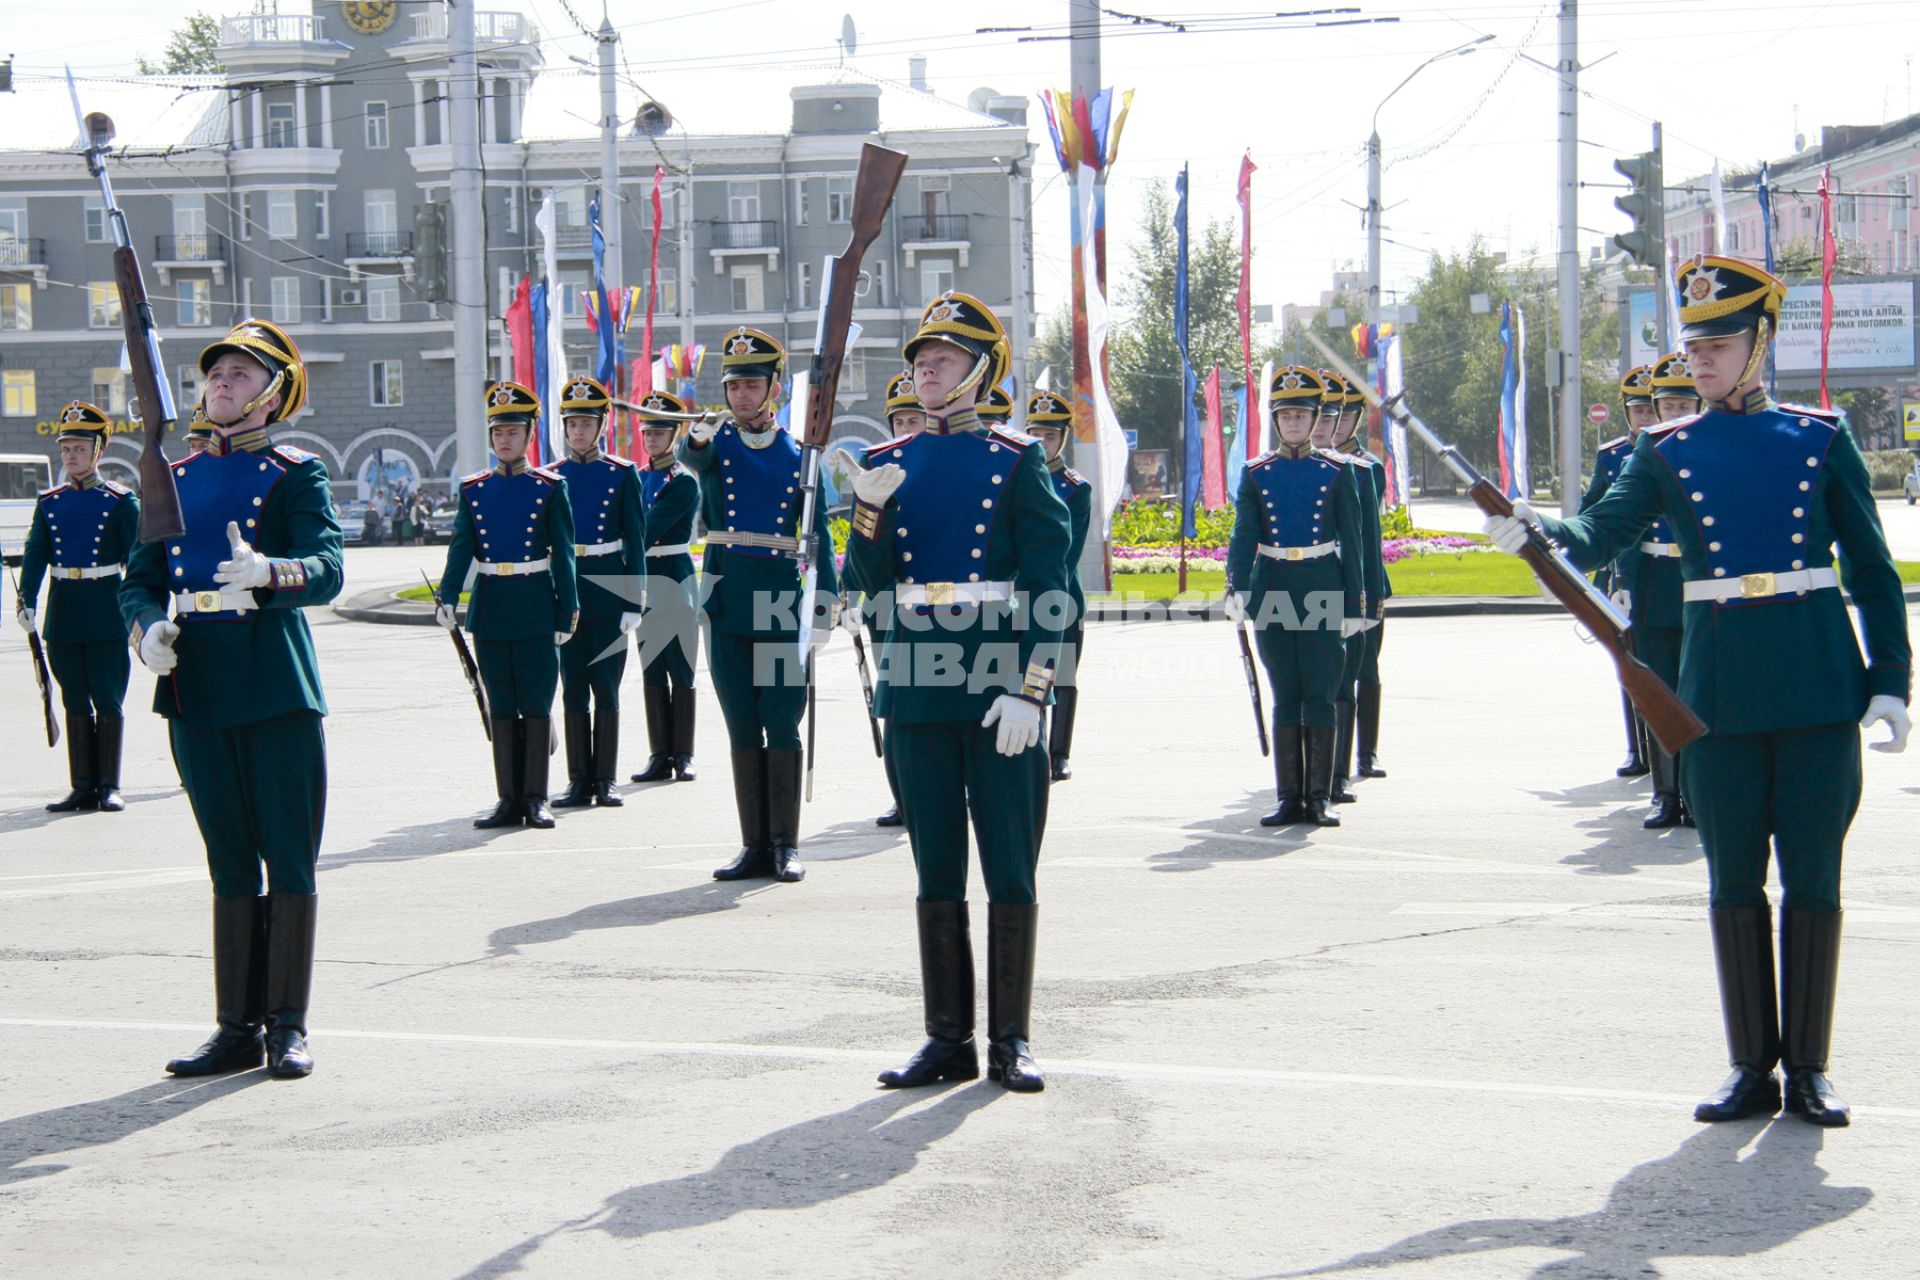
430,251
1646,205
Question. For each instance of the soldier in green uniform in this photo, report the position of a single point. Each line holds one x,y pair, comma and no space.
904,418
1295,567
1647,582
1636,405
669,629
962,522
1758,496
240,687
1367,691
749,473
81,534
1368,487
515,531
604,495
1047,418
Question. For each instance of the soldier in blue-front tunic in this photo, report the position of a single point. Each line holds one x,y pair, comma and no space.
515,530
81,534
957,533
1636,405
1758,496
240,688
749,473
1295,567
609,526
669,632
1048,417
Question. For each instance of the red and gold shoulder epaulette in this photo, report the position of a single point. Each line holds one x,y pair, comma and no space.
294,455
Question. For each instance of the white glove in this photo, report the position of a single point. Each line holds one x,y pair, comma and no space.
29,618
248,570
1509,533
156,647
443,614
1623,601
852,621
628,621
1351,627
702,430
1887,709
561,637
1019,722
876,486
1236,608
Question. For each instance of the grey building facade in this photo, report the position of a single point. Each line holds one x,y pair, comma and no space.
287,188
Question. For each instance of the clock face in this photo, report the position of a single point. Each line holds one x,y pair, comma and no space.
370,17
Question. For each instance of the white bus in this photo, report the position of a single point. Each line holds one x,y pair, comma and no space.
23,477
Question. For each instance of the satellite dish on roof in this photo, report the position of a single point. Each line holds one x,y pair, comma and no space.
848,37
979,98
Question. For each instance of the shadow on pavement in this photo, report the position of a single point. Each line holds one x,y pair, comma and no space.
1243,819
33,817
627,913
426,840
1703,1201
798,1167
27,1140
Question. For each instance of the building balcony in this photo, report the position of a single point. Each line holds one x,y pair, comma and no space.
258,42
732,239
934,232
379,249
272,28
197,251
23,255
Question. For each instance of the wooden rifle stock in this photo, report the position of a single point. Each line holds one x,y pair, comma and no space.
873,189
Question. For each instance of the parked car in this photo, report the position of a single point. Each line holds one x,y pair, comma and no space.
440,523
1910,483
22,478
353,523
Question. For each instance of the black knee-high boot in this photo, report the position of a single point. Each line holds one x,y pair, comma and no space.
1743,958
83,795
239,991
1012,930
290,934
946,993
1809,977
577,732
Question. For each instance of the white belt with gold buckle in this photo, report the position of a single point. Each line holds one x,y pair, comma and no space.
581,549
1760,586
1660,549
213,602
674,549
507,568
73,573
939,593
1313,552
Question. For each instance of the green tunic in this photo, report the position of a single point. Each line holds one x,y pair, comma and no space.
85,637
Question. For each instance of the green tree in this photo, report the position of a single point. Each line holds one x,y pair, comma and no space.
1143,360
193,50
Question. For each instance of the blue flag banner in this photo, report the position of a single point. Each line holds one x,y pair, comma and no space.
537,299
1512,438
606,365
1237,455
1192,466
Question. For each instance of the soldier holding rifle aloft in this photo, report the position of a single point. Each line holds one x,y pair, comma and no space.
1758,496
750,478
1296,569
669,630
240,688
1047,419
1636,404
81,535
515,530
961,521
604,494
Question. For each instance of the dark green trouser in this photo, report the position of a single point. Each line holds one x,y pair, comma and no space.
762,689
583,670
519,675
949,771
1790,793
666,636
1659,648
259,795
1304,667
1354,654
92,677
1370,652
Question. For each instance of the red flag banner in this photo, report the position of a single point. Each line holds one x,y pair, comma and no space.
1213,455
520,333
1243,298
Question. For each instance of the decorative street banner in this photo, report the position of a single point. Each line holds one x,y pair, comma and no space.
1512,435
1873,329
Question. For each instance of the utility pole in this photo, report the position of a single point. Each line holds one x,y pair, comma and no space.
469,278
611,207
1018,187
1569,284
1373,225
685,289
1083,44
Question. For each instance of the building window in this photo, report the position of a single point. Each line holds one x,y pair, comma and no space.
802,285
280,125
1897,208
749,287
936,277
110,388
20,400
668,301
13,231
513,209
282,223
383,221
743,202
572,285
16,306
933,194
383,298
196,302
853,372
241,215
570,206
190,386
376,126
286,299
839,199
388,392
878,275
801,205
103,305
97,232
322,214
